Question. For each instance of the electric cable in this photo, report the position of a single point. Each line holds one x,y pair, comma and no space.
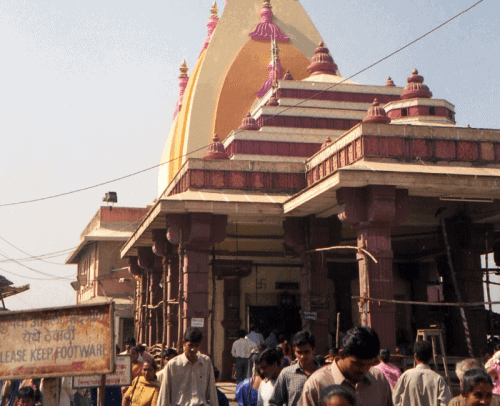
32,277
35,270
269,118
34,257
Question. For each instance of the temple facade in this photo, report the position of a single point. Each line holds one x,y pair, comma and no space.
291,197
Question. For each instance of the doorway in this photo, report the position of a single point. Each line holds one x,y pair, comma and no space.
266,318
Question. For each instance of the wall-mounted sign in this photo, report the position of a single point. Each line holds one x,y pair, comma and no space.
197,322
308,315
63,341
121,377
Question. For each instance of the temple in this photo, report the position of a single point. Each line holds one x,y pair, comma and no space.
291,197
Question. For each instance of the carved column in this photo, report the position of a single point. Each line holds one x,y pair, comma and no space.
372,211
305,234
196,232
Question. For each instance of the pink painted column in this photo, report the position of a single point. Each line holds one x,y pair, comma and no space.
196,232
372,211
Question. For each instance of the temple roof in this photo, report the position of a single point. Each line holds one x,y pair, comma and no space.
222,84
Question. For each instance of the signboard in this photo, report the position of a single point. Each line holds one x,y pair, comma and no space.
197,322
308,315
62,341
121,377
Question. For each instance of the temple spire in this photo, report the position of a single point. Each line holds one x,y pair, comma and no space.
211,25
183,80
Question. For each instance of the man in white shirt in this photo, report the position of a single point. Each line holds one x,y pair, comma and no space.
189,378
241,350
269,363
421,386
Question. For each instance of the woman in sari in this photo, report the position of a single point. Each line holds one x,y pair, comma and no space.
144,389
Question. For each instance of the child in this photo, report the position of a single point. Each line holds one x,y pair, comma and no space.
26,396
336,395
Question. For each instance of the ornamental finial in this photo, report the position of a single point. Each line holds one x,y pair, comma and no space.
214,11
183,69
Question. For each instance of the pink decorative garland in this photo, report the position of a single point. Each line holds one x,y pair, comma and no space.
182,87
212,23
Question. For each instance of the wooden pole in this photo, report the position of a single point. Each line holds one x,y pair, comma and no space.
212,318
457,291
102,390
164,338
181,292
337,336
488,293
363,303
1,297
147,319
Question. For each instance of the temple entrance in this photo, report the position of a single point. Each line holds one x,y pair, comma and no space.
266,318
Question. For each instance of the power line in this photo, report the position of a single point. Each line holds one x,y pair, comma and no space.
32,277
102,183
236,132
35,270
33,257
384,58
37,257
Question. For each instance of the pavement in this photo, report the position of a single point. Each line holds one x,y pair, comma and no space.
228,389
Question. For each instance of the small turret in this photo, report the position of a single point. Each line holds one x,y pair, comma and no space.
389,82
327,142
416,88
249,123
216,150
376,114
322,62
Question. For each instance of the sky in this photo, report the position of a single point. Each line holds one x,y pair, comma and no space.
88,89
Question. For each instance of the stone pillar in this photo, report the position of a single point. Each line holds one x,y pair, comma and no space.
372,211
196,233
305,234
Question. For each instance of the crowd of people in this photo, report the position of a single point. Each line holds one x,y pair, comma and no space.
274,372
359,373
